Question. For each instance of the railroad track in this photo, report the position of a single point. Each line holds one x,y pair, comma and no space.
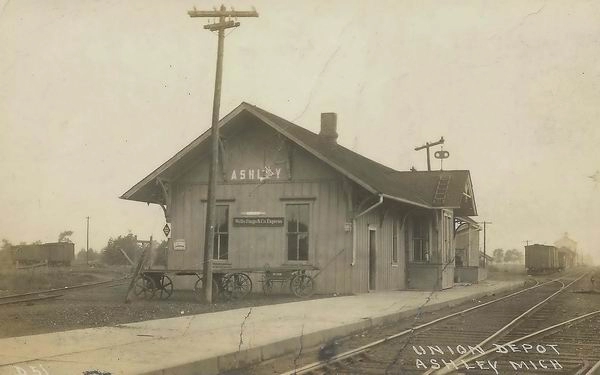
571,346
461,339
56,292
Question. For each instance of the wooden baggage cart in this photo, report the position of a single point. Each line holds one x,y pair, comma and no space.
228,283
300,283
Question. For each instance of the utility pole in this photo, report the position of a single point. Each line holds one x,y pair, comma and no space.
526,242
484,242
87,242
225,22
427,145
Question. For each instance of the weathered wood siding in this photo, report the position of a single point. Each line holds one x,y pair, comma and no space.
474,247
390,275
302,178
310,181
468,239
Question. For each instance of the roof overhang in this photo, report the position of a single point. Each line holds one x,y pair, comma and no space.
148,189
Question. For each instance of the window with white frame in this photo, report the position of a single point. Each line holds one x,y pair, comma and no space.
297,228
221,238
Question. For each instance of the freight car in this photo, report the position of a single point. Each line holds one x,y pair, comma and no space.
55,254
541,259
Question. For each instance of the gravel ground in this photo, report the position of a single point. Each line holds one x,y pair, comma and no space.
104,306
14,281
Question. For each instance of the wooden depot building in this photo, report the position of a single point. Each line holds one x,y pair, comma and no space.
287,196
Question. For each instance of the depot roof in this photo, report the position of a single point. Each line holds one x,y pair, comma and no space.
411,187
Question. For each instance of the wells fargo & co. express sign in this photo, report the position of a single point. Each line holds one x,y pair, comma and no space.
258,221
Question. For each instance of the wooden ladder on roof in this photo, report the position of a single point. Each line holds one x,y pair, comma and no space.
441,190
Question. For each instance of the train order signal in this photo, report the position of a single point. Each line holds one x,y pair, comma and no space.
441,154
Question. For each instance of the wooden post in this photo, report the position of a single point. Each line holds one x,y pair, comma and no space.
485,223
127,257
138,269
427,145
87,242
209,231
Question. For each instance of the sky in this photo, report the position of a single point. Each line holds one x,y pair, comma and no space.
94,95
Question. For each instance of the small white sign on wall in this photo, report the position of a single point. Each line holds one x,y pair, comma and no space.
179,245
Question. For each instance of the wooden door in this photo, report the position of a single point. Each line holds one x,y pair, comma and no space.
372,259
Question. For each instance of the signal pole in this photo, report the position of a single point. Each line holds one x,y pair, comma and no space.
87,242
224,22
484,241
427,145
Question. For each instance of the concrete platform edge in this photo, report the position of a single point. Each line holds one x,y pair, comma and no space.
244,358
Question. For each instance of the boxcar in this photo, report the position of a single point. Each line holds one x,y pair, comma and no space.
541,259
57,253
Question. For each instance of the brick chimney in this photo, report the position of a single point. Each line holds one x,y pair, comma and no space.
328,132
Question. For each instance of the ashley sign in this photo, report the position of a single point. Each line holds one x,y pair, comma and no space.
255,174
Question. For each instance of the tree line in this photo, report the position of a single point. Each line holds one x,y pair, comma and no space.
508,256
110,254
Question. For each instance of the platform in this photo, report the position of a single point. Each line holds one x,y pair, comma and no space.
214,342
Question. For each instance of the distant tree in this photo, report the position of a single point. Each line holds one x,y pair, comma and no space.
5,245
5,251
111,254
64,236
80,256
513,256
92,256
498,255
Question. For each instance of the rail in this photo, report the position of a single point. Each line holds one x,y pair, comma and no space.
541,332
40,294
465,357
353,352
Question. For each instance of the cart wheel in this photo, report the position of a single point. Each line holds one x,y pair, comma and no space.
144,287
302,285
236,285
198,289
165,287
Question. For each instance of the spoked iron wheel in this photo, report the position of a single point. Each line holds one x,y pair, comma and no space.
236,285
144,287
302,285
165,287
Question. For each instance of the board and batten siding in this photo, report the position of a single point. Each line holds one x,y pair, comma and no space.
389,275
330,247
303,179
